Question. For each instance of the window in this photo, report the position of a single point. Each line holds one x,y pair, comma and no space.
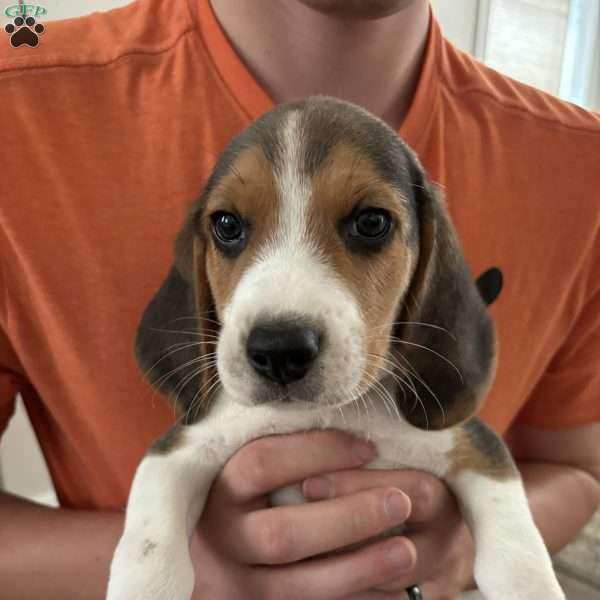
551,44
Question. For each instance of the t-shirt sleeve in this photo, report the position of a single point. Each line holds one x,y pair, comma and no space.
568,395
11,381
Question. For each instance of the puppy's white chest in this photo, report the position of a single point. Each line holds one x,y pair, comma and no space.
398,443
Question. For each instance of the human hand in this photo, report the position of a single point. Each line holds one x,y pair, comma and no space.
243,548
444,547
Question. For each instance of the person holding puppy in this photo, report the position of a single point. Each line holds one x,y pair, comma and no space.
111,126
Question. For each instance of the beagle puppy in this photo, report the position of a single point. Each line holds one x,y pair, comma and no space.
323,276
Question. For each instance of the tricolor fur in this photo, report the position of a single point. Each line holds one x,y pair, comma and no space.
401,346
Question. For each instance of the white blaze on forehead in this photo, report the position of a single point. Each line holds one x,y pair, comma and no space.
293,186
291,276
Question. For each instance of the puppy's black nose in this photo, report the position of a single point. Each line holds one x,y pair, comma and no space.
281,352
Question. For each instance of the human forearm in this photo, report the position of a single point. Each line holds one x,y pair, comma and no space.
561,472
53,554
562,499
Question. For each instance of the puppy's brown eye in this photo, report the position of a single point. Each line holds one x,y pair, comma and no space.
372,223
228,228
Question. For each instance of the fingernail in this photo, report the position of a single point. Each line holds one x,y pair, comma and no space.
363,451
396,507
316,488
400,556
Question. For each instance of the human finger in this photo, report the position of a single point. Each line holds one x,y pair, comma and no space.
273,462
340,576
287,534
444,561
429,495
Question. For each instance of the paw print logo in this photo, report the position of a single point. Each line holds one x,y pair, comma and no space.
24,31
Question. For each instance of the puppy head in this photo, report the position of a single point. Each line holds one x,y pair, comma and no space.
317,264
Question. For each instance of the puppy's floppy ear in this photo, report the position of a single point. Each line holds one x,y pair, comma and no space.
443,315
175,334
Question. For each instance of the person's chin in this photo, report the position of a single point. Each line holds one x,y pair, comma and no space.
358,9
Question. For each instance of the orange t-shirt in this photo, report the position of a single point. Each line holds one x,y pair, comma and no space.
110,127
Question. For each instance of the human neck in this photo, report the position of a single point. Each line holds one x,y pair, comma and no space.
294,51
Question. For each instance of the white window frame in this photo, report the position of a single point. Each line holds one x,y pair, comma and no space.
580,76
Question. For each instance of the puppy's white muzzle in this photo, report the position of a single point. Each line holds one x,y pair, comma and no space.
292,331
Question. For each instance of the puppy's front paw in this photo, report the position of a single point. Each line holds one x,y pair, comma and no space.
145,569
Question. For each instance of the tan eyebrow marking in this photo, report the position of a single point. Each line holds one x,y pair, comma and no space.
346,178
250,190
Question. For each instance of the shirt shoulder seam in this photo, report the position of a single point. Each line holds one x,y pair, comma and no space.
512,106
17,69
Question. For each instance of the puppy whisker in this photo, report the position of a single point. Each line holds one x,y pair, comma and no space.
400,380
174,348
395,375
398,340
171,350
208,359
418,323
209,393
199,398
374,381
187,378
202,334
197,317
416,375
384,394
190,377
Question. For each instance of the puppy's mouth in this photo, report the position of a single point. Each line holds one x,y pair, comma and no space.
294,395
312,395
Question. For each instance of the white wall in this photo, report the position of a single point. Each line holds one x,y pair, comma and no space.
64,9
22,465
458,19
